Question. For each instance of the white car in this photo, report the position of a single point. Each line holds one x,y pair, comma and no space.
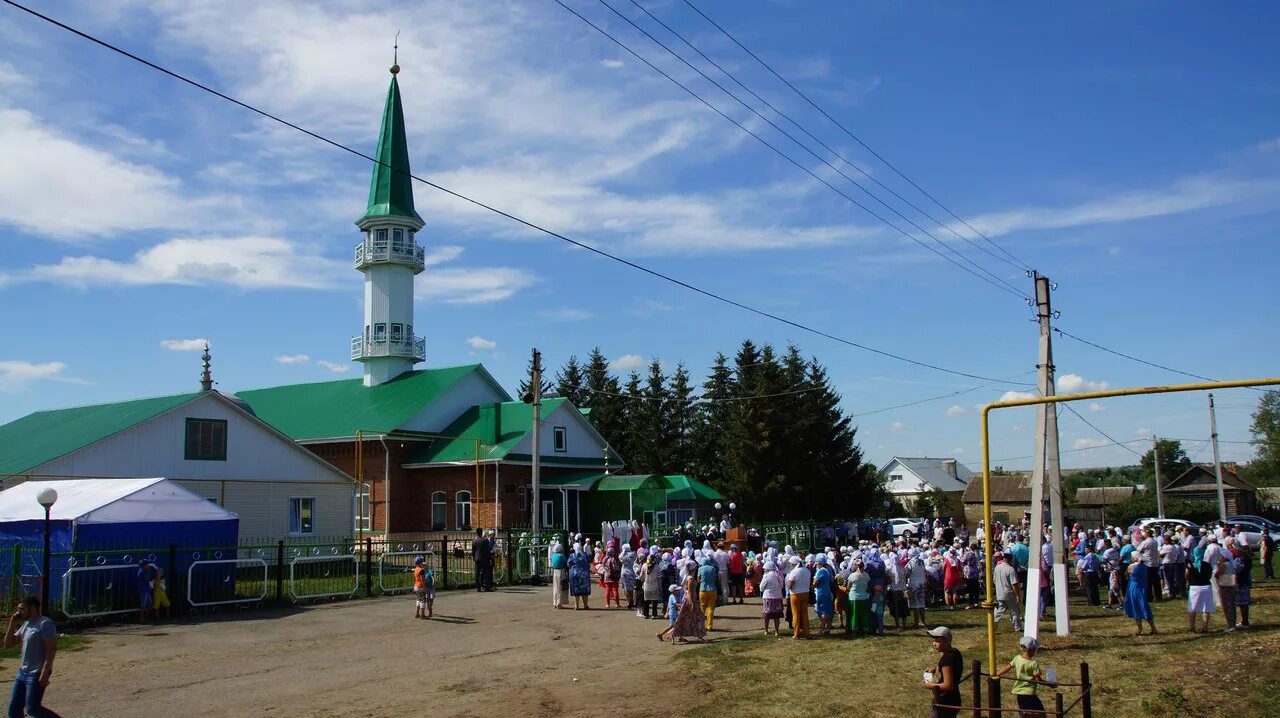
904,528
1252,531
1162,525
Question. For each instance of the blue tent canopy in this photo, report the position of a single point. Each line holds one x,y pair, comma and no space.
98,515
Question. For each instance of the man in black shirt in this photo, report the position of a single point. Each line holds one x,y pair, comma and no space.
482,555
944,681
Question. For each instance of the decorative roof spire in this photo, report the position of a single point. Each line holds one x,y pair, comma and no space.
206,376
391,190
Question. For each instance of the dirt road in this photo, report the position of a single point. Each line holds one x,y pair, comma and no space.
495,654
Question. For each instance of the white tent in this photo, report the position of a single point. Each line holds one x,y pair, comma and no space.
110,501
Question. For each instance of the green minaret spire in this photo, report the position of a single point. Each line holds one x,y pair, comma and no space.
391,190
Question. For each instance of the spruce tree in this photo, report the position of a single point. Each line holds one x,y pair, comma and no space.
601,395
681,416
632,433
711,425
548,388
571,383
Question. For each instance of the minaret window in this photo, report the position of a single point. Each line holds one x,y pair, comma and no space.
397,241
397,333
408,330
379,332
380,241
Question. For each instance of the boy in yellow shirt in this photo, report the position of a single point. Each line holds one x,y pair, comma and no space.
1026,670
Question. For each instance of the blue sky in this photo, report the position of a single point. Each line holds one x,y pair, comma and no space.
1129,152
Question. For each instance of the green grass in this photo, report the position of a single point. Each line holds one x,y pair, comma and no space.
67,642
1174,673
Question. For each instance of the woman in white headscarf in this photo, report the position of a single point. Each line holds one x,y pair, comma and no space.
771,590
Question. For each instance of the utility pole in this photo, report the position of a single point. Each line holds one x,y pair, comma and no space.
1155,461
535,397
1046,477
1217,461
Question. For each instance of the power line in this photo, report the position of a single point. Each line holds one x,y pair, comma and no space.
854,137
789,136
941,396
1130,357
581,245
1079,416
995,283
825,146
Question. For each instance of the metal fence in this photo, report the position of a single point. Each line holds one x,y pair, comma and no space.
104,582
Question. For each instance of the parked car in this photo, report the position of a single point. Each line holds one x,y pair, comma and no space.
1254,519
905,528
1252,531
1161,525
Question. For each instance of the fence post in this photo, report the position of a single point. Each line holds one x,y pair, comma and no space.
977,685
993,696
1086,701
1057,704
172,574
511,560
17,575
280,573
368,566
444,562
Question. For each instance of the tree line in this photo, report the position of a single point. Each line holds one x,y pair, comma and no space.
765,429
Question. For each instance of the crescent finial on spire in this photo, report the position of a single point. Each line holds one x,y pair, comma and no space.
395,55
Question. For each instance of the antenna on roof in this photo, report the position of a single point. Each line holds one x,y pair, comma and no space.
206,376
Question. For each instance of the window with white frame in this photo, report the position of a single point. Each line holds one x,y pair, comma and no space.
364,514
463,509
561,435
302,513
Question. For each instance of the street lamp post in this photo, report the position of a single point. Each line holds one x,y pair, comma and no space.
47,498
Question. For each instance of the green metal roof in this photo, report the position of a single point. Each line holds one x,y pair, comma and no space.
45,435
579,480
337,409
687,488
500,431
631,482
391,189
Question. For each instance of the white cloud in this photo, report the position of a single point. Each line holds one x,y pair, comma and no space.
293,359
473,285
956,410
897,426
627,362
1184,195
481,343
185,345
566,314
1097,408
335,368
1142,431
1270,145
16,375
958,450
245,262
101,196
10,77
1088,443
1016,395
441,254
612,64
1076,384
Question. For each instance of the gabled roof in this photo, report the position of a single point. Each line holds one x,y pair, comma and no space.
41,437
1005,489
391,189
1102,495
1200,476
337,409
931,471
512,421
687,488
581,481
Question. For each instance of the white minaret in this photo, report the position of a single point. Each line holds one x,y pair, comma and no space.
389,256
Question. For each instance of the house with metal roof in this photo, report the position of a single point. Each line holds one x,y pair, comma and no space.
906,478
207,442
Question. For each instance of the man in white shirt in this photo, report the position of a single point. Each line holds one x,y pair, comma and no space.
1148,548
721,557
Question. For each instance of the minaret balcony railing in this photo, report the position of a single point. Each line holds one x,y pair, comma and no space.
410,348
371,251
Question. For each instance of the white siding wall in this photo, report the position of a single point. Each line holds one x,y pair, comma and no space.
581,442
261,472
470,390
